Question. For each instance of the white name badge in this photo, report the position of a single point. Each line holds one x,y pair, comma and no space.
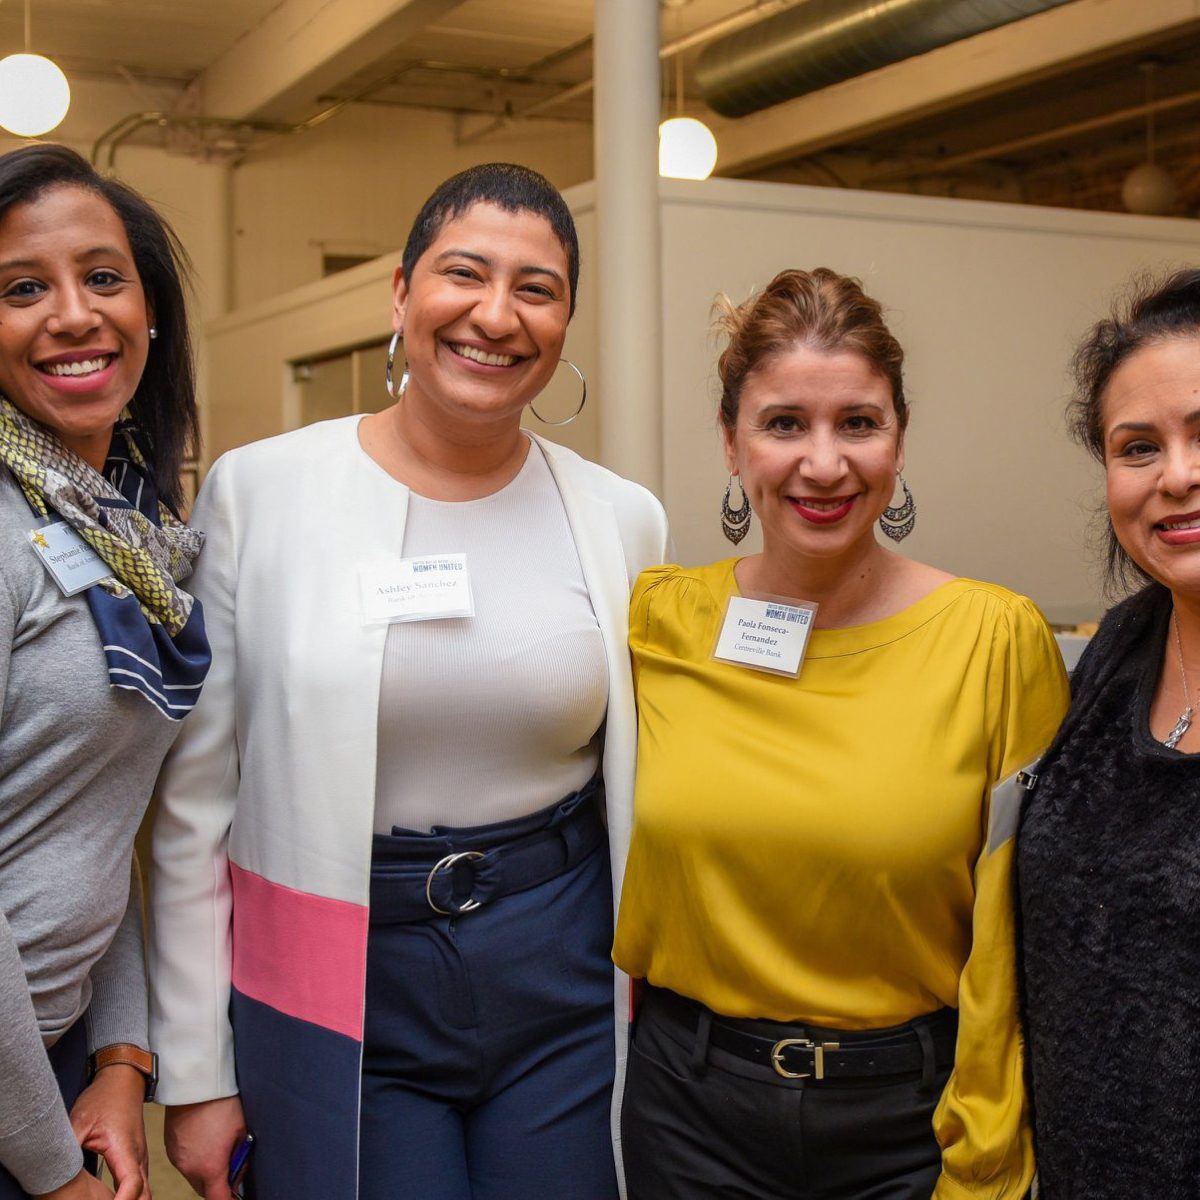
768,635
416,589
72,563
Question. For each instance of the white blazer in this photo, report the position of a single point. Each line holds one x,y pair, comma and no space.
268,796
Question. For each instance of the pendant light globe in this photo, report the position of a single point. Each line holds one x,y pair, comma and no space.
686,149
34,94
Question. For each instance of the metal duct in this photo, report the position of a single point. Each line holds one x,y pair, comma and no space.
823,42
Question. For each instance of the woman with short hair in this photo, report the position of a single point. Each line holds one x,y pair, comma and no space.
1109,853
818,890
102,653
399,793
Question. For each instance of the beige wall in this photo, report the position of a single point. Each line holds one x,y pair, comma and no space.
354,184
988,301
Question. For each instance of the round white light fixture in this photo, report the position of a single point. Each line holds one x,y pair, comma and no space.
34,94
686,149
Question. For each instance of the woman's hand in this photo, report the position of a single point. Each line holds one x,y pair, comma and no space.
82,1187
201,1139
107,1119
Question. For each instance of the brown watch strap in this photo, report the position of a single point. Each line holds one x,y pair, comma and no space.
126,1054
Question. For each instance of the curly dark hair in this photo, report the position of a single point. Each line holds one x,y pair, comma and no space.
164,405
1152,310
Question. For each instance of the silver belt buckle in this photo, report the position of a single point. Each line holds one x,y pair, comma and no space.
445,864
818,1049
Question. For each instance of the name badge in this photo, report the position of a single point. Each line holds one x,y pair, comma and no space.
768,635
416,589
72,563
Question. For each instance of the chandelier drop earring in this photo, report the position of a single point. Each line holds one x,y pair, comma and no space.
735,522
392,390
582,398
898,521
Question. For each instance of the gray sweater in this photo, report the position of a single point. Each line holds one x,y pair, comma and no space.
77,763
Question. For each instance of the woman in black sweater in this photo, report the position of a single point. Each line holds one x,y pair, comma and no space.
1109,853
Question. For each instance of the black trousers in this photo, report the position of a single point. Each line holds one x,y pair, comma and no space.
697,1123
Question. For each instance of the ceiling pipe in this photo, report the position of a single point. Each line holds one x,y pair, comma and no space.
743,18
825,42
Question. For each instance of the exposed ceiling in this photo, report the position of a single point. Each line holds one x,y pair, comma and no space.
1048,110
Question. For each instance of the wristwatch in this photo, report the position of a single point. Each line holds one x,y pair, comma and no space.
128,1055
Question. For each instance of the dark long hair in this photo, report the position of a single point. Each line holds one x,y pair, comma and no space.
164,404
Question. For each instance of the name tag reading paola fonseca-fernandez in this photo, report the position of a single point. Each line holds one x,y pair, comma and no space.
416,589
766,634
72,563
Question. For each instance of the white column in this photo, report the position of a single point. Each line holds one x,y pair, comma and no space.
628,258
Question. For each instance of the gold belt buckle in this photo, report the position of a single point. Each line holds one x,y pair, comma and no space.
818,1049
444,865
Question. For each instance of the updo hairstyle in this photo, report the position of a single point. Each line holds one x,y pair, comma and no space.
1152,310
819,309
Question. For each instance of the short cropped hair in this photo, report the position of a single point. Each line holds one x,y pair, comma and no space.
506,185
1153,309
820,309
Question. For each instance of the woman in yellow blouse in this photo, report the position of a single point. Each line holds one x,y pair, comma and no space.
818,892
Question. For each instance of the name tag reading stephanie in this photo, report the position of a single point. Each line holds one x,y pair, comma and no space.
768,635
72,563
416,589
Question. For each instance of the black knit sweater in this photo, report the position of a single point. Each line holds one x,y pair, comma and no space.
1108,865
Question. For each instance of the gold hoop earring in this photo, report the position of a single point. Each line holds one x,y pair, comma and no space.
582,398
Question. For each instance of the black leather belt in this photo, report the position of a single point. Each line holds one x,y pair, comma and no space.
407,887
804,1052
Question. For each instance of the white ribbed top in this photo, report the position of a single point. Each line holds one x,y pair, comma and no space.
491,717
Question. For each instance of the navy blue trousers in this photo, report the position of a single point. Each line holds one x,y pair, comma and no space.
488,1052
68,1057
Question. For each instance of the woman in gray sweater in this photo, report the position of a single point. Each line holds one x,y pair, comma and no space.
101,654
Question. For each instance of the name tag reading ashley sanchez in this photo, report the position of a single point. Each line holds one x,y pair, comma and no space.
768,635
416,589
72,563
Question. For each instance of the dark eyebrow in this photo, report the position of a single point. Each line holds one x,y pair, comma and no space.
471,254
543,271
33,264
1192,418
484,261
856,406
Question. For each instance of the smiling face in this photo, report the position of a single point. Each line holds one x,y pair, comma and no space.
817,445
1151,426
74,323
484,317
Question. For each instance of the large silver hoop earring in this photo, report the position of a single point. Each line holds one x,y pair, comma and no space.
394,391
735,522
898,522
582,398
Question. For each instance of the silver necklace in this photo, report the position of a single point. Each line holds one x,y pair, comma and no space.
1185,718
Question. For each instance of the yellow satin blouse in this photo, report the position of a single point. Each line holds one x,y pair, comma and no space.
837,848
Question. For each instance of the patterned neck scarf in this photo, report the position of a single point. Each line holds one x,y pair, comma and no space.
151,630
